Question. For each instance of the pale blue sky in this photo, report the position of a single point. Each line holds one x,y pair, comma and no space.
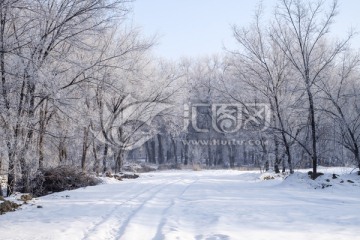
195,28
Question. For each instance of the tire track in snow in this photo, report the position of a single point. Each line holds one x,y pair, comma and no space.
158,217
111,229
159,234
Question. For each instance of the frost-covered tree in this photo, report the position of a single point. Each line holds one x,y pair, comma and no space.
265,70
341,93
300,30
51,57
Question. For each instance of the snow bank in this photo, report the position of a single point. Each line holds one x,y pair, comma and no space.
332,180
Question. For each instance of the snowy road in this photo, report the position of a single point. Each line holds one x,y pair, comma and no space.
190,205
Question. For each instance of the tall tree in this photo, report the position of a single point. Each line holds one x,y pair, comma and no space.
300,30
262,65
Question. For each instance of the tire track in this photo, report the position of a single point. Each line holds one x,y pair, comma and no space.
159,234
124,231
113,215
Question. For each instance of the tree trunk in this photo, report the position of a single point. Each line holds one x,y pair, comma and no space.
148,153
119,160
168,155
357,157
160,150
41,150
313,130
11,181
181,155
219,155
104,159
288,153
264,156
25,169
244,155
1,174
174,150
30,97
186,154
96,168
11,170
3,21
283,163
286,142
62,150
153,152
42,123
84,149
209,162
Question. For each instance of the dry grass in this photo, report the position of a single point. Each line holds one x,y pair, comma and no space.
7,206
59,179
170,166
196,167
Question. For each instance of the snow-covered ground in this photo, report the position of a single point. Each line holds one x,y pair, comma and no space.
194,205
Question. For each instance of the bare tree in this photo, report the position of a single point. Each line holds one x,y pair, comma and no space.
264,68
300,30
342,92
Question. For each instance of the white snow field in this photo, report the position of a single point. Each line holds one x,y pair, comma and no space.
219,204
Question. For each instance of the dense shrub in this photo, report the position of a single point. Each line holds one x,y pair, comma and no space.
138,167
170,166
7,206
59,179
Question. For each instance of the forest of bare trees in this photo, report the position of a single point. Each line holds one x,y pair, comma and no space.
81,87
